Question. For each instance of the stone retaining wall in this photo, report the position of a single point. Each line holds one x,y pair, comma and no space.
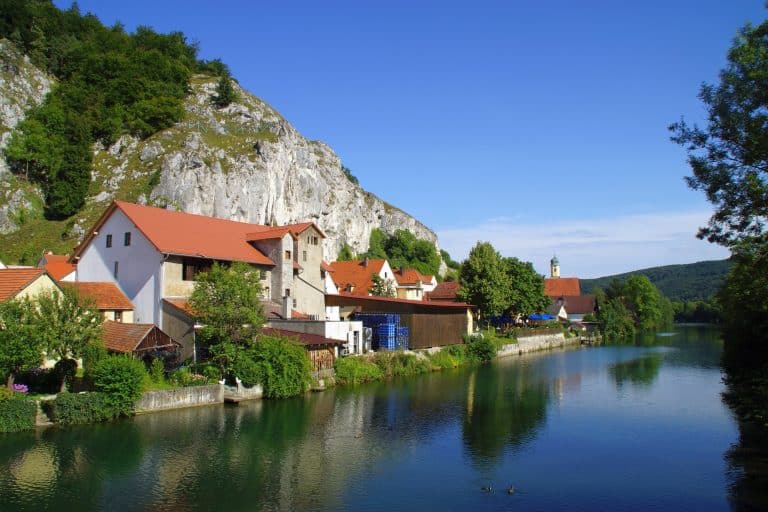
536,343
192,396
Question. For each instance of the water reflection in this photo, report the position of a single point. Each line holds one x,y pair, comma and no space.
504,410
378,447
639,372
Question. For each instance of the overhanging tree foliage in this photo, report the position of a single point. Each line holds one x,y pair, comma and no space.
20,348
729,161
66,324
381,287
227,302
526,291
484,280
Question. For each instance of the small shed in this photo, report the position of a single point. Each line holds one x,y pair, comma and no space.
137,339
322,351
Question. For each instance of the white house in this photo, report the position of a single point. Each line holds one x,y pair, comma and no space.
154,254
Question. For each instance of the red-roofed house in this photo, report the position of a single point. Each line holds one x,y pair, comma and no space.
58,266
18,283
153,255
107,298
445,291
356,277
412,284
137,339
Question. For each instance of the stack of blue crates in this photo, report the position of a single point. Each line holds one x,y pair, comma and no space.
401,338
387,333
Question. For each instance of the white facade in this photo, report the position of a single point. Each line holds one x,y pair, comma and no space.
135,268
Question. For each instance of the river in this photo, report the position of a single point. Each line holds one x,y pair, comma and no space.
618,427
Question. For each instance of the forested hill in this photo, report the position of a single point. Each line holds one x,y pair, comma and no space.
693,281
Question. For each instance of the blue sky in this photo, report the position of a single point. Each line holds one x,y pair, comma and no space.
537,126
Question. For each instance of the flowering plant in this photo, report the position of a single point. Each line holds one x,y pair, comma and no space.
21,388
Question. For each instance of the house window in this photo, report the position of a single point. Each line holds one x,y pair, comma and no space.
287,255
314,240
262,274
266,292
109,240
287,292
116,268
294,304
127,238
118,316
191,267
303,255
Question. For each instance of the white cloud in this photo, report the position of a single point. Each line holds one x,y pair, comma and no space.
592,247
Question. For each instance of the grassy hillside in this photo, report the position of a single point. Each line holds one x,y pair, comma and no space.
694,281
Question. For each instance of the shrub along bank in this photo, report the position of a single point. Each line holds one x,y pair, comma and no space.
386,365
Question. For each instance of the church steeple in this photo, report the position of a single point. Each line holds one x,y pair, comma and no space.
554,267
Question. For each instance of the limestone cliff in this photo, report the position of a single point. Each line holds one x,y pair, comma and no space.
22,86
242,162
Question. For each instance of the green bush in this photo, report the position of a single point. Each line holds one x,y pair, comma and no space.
92,354
356,370
157,371
79,408
447,358
283,367
396,364
121,379
481,350
17,411
184,377
65,370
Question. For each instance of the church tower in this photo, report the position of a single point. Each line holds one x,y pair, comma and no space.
554,267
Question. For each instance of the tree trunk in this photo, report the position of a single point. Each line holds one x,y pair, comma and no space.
63,387
11,378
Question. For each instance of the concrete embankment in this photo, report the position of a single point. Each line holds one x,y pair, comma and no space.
178,398
537,343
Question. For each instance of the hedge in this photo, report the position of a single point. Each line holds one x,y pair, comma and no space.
78,408
17,412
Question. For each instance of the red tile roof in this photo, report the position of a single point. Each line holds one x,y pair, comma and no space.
427,304
577,304
301,227
104,295
187,234
269,233
410,276
302,337
182,305
355,273
326,266
444,291
126,338
58,265
558,286
14,280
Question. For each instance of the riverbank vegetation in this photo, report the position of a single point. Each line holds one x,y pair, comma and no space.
728,157
630,306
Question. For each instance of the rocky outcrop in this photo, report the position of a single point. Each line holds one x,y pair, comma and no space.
22,86
242,162
245,162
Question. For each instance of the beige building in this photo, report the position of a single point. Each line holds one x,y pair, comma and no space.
19,283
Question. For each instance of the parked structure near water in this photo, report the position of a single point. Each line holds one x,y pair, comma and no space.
430,324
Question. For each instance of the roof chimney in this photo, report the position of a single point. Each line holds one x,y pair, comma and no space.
365,261
287,307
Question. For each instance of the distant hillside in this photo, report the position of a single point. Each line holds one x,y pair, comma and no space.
692,281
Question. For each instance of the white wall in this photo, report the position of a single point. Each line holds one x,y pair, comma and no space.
139,271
